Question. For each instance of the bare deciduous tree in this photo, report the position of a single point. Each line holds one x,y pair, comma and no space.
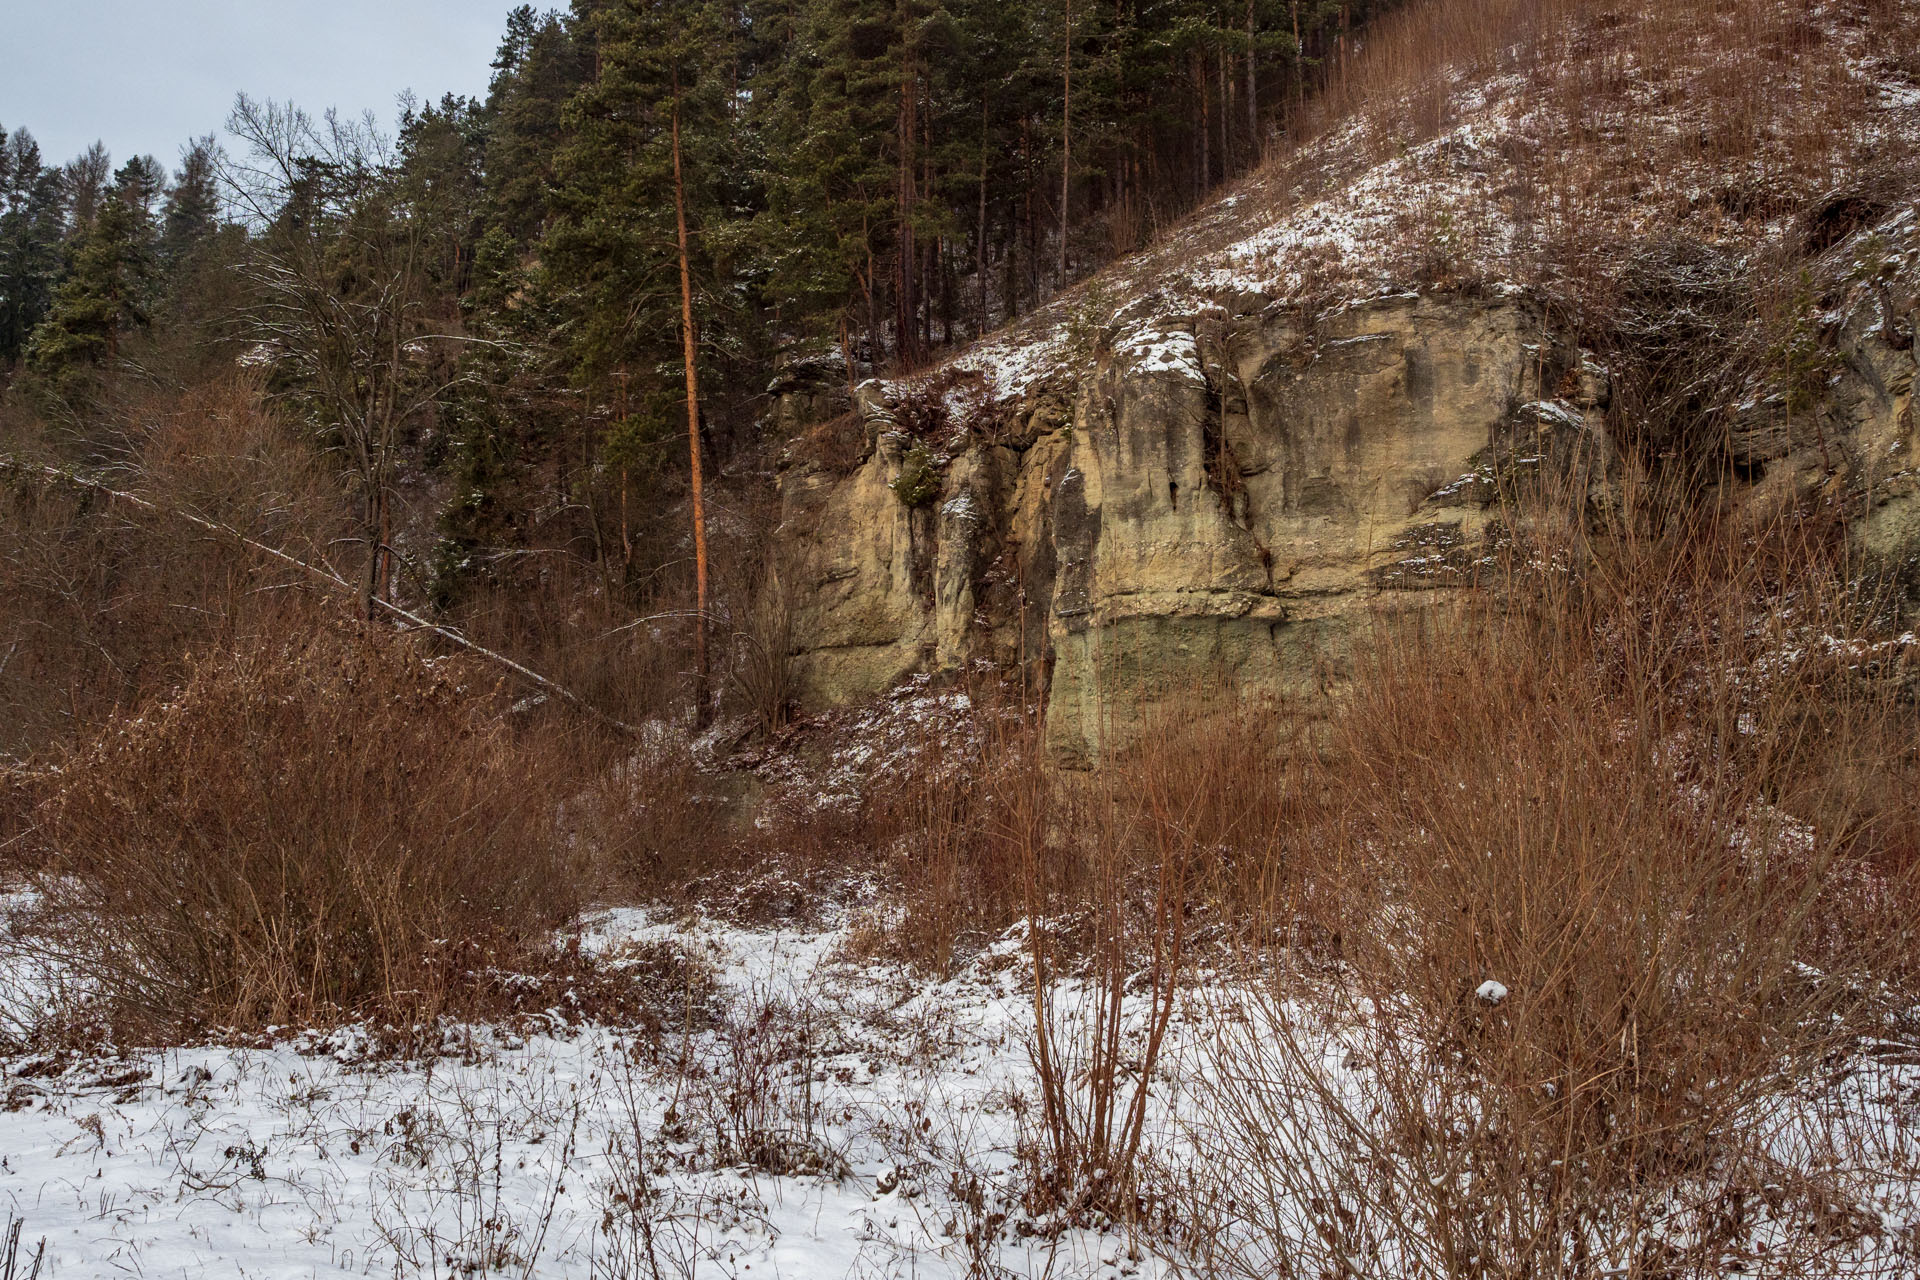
339,263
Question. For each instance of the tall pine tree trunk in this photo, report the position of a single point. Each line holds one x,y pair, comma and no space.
1299,57
929,253
1066,142
1253,92
1226,113
1206,126
907,255
704,678
1343,50
903,300
982,272
1029,224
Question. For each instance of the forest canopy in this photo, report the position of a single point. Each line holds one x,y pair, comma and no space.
479,313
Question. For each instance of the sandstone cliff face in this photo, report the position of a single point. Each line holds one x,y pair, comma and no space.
1870,418
1236,496
1224,495
1217,500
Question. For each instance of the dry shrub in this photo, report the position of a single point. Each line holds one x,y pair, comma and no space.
1602,913
1728,123
599,598
751,1102
672,823
639,987
949,854
100,600
1102,877
1762,75
1113,869
216,450
659,822
566,616
760,667
775,826
18,823
324,828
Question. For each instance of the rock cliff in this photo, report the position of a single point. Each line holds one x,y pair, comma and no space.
1219,497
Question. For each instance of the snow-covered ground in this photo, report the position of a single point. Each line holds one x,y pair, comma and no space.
802,1112
820,1116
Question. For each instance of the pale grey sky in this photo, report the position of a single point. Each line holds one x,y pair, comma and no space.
147,75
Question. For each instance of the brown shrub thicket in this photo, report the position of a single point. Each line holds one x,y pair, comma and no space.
18,824
1608,879
101,600
1651,783
319,828
657,821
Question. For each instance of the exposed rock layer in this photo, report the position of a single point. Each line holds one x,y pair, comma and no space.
1223,497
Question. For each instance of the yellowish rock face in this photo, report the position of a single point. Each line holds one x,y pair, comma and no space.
1228,497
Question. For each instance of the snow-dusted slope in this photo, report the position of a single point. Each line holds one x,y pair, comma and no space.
1528,165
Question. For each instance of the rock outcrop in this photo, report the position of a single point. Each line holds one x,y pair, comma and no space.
1218,499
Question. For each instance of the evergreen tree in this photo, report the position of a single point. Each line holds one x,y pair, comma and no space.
110,284
836,199
542,63
610,254
193,203
441,183
84,180
141,182
642,196
30,232
506,416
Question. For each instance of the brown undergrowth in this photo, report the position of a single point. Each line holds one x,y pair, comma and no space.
1594,870
102,602
324,828
1613,864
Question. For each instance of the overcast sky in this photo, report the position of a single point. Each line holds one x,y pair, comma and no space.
147,75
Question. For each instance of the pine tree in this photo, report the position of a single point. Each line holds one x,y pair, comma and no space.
640,202
508,414
192,209
84,181
110,285
441,182
835,186
611,249
542,63
30,233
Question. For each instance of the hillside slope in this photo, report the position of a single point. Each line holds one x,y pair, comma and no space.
1631,249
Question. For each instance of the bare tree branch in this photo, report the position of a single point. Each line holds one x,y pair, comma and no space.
10,464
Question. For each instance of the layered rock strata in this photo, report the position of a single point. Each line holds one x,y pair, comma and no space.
1214,502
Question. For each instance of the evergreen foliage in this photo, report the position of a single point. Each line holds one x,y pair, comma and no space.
110,284
495,290
192,211
30,234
